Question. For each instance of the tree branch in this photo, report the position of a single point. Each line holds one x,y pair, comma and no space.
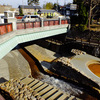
94,6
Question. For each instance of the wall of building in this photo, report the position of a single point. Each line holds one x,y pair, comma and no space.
29,11
4,8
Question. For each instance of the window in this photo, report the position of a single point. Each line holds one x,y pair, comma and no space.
28,16
5,14
2,17
34,17
67,12
10,14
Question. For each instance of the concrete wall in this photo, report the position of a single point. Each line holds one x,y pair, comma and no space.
12,39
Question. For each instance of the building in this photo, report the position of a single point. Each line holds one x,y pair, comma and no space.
69,10
46,13
29,9
4,8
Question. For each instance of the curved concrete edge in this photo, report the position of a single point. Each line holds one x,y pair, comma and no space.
79,63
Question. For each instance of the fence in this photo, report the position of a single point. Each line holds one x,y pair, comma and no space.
51,23
19,17
5,28
64,22
25,25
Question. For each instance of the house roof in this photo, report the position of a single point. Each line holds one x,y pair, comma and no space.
29,7
45,11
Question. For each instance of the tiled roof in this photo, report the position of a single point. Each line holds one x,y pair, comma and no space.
45,11
29,7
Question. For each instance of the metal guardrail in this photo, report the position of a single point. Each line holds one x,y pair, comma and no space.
25,25
5,28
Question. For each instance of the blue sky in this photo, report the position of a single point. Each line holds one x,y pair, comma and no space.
15,3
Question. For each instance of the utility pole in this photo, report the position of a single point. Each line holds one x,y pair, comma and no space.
57,5
22,2
57,1
64,2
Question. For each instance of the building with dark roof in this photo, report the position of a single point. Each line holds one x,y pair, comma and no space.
69,10
29,9
46,13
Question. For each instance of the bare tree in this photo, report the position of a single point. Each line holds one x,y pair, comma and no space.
31,2
91,5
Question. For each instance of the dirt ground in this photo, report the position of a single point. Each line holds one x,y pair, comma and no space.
95,27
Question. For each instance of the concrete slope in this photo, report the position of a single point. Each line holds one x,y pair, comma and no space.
13,65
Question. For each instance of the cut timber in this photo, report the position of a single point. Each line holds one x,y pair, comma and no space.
49,93
55,95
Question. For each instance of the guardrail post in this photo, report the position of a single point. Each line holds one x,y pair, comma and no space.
42,22
25,25
59,21
6,29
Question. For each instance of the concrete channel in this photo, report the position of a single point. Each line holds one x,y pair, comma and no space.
44,89
34,50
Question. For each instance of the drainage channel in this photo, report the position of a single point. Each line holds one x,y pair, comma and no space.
34,69
48,91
